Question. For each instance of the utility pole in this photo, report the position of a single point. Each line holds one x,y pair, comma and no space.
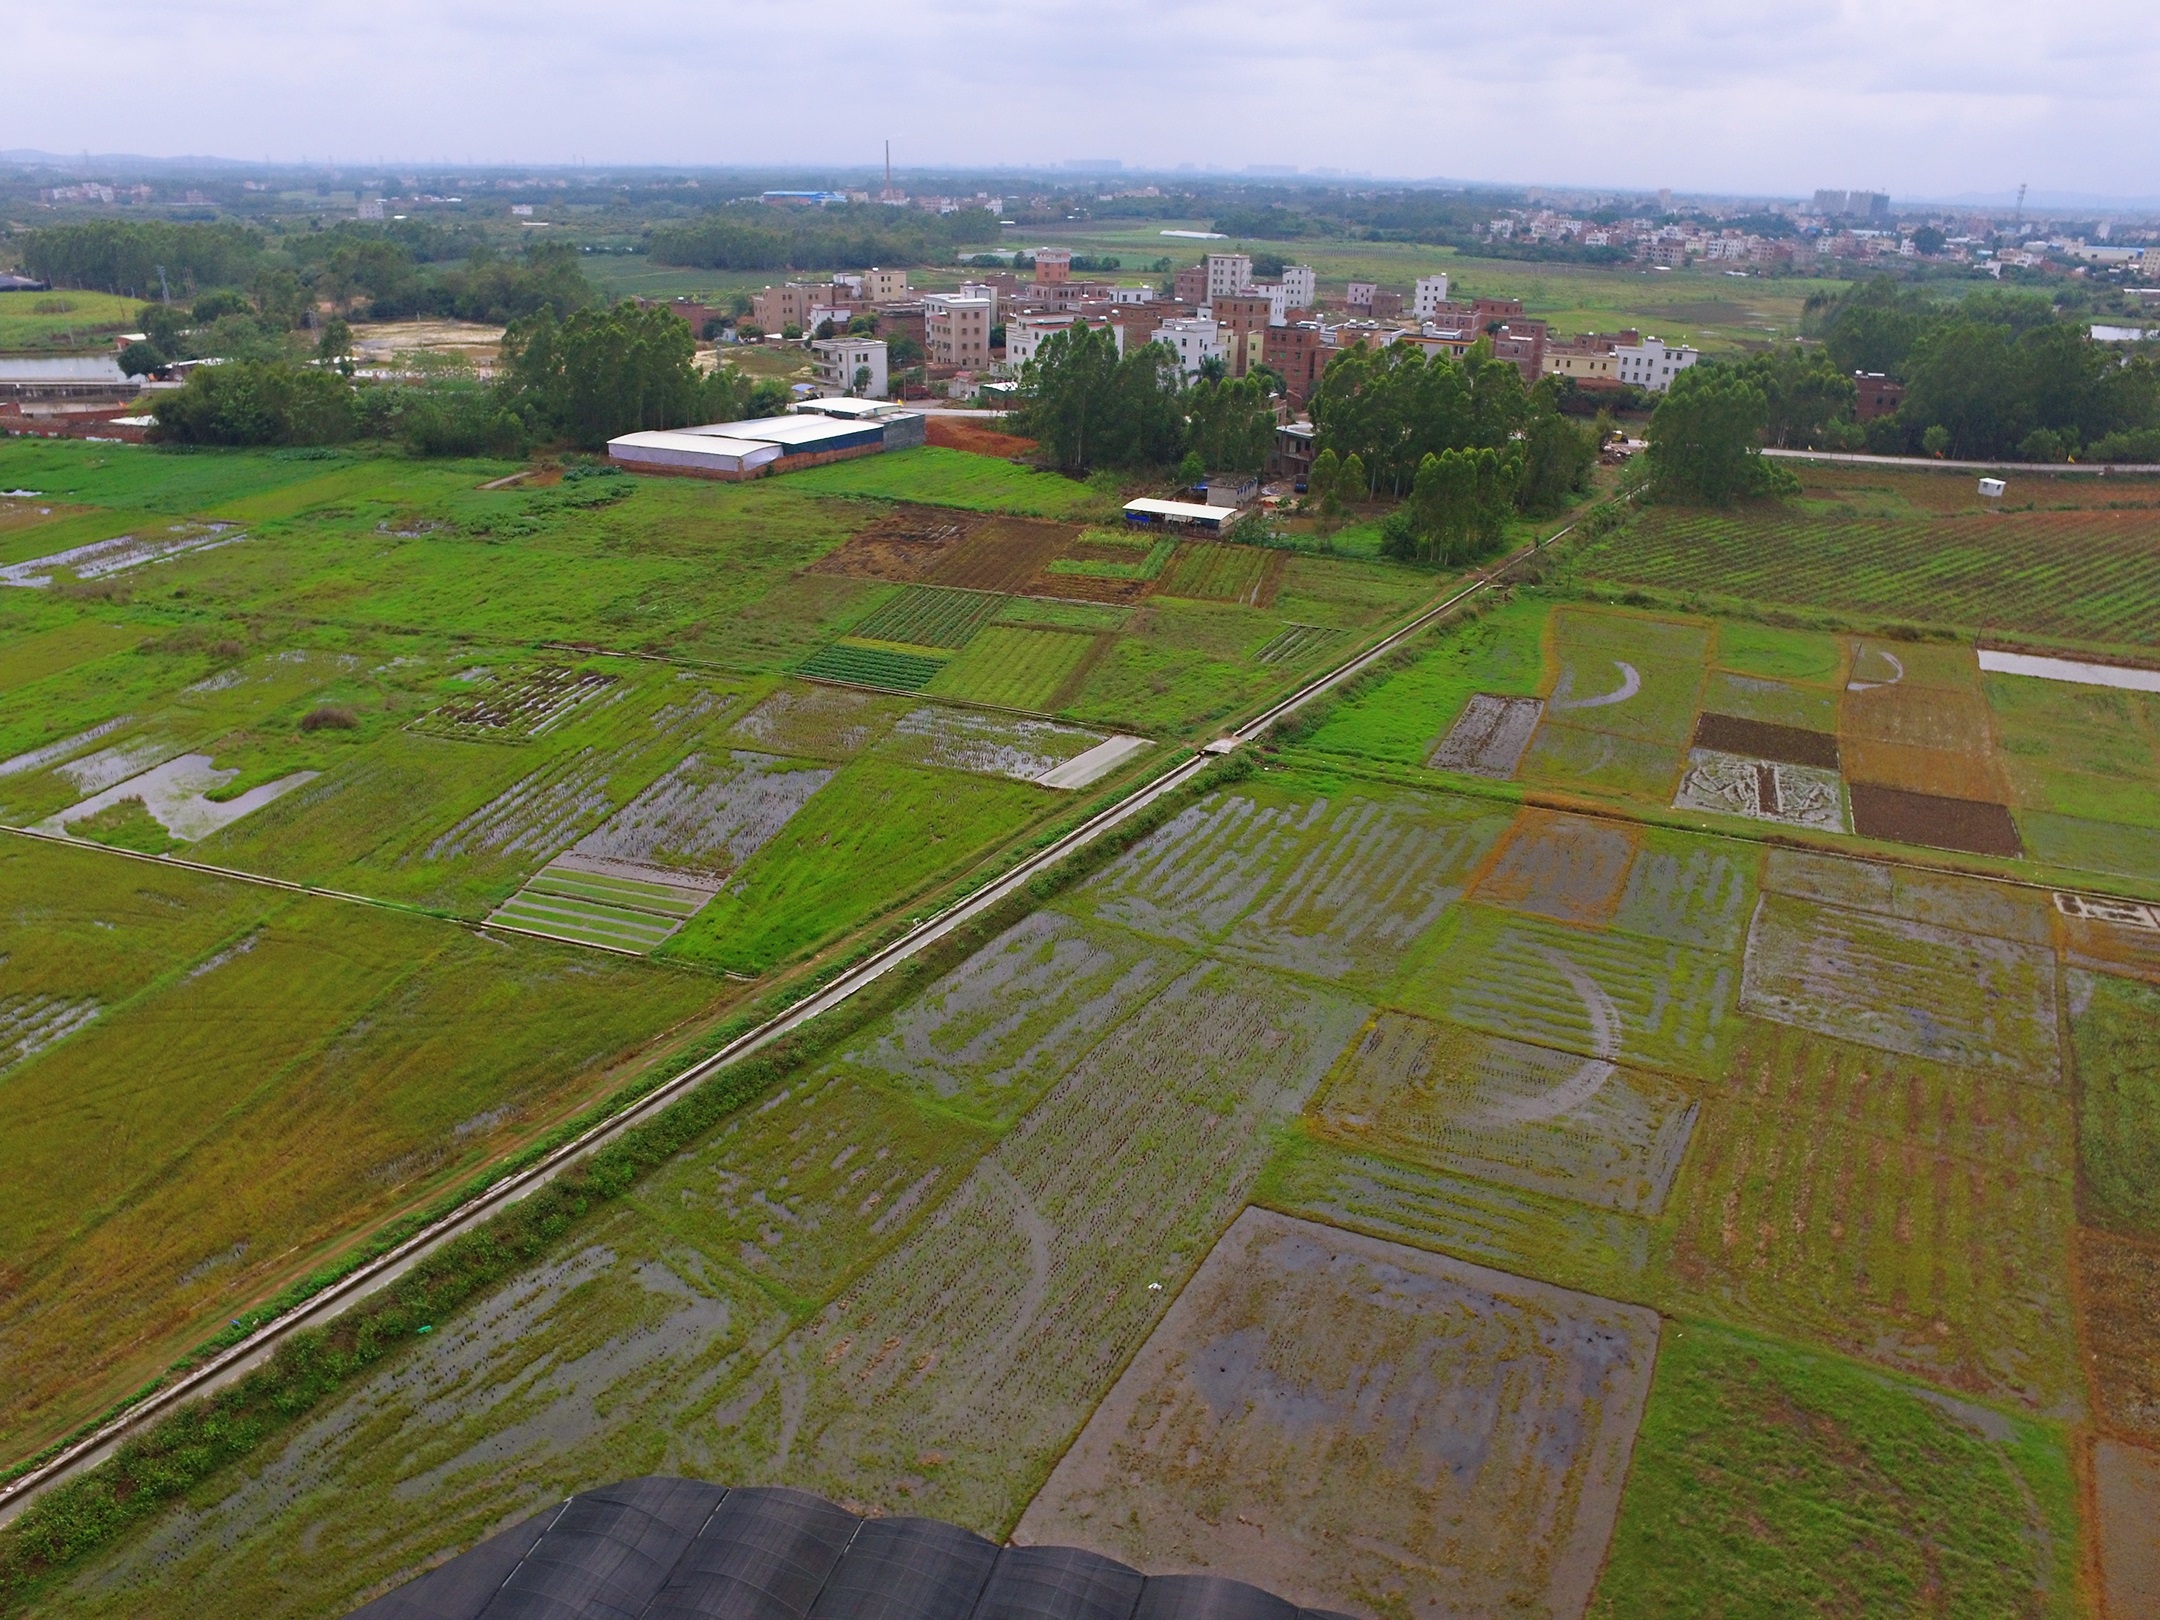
886,195
164,290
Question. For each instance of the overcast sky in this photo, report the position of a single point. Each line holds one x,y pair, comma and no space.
1918,97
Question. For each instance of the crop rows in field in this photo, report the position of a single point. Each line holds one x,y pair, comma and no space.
821,722
929,616
2083,575
1294,643
1911,1214
950,1375
597,909
811,1186
889,667
996,1032
1529,1233
701,819
1147,565
1610,996
1546,1121
986,744
1421,1385
30,1022
540,813
1217,571
1338,888
1017,668
516,707
1903,986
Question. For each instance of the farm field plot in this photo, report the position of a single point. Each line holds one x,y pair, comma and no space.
991,1036
929,616
1018,668
1527,1116
2119,1296
817,721
1772,1480
897,669
621,914
1567,867
1347,1420
808,1188
1337,886
2085,577
1214,571
1903,986
302,1069
987,744
937,477
1913,1214
33,657
1403,717
1610,996
2115,1036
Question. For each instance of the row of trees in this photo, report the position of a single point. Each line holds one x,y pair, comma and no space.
582,379
1993,374
385,272
752,236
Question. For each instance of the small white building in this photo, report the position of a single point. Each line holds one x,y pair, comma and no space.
1430,294
850,365
1195,340
1228,274
1651,365
1132,295
1300,286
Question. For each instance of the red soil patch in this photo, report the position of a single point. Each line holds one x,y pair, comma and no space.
952,433
904,545
1933,821
1759,739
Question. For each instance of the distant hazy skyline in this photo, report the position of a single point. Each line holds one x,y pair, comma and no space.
1915,97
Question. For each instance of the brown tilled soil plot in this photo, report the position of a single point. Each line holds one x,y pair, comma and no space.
1946,773
1567,867
955,433
1088,587
2119,1297
1933,821
1359,1425
905,545
1788,745
1004,554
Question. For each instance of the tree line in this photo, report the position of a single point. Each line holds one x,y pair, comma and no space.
754,236
1460,445
1996,374
579,379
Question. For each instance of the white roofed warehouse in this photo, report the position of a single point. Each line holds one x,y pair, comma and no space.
734,451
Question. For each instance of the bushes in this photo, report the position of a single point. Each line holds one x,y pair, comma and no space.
254,402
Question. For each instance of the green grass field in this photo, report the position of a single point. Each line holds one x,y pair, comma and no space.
63,321
936,477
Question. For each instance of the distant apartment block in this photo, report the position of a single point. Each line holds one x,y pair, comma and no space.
1053,265
1428,297
1591,359
956,330
1026,334
775,309
1131,295
1227,273
1652,365
1359,294
850,365
1190,285
1299,351
884,286
1301,288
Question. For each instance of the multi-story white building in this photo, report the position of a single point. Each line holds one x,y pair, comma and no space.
1195,340
850,365
1026,334
1228,274
1300,286
1430,294
982,289
1132,295
1359,294
1651,365
956,330
1278,300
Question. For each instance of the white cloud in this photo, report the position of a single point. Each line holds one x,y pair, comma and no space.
1919,96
